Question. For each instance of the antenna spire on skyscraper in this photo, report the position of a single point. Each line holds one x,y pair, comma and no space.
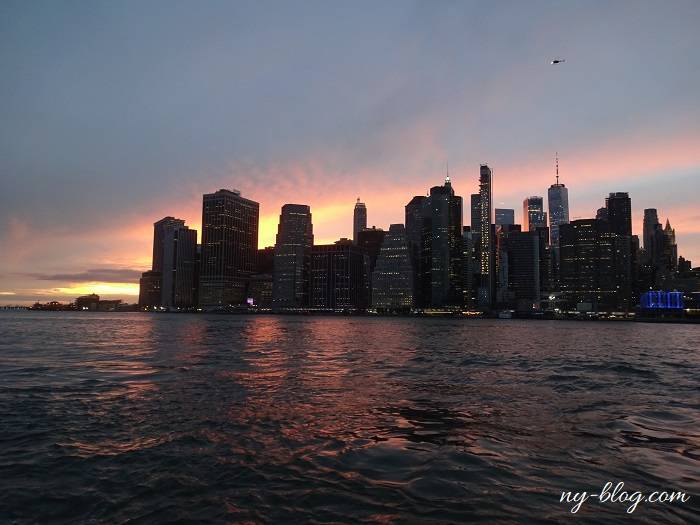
447,177
556,156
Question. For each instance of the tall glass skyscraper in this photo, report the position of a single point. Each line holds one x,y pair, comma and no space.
558,201
392,280
445,215
359,219
229,248
295,239
486,260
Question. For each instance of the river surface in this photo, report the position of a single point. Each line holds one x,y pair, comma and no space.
147,418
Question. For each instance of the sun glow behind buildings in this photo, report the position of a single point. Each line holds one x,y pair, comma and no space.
100,288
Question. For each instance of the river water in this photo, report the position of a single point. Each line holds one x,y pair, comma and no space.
148,418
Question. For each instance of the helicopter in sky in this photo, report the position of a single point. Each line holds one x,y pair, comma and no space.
558,61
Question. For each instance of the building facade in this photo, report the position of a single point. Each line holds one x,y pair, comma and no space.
229,248
417,236
292,260
505,217
359,219
487,233
179,259
392,279
587,272
558,201
339,277
534,215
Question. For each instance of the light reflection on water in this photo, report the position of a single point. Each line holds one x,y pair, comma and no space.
233,418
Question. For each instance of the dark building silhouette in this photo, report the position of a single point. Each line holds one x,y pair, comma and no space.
619,219
670,248
434,233
339,278
417,236
651,225
619,206
260,290
471,271
265,260
505,216
229,248
392,279
503,292
359,219
475,213
260,286
179,267
534,215
149,289
523,249
486,248
370,240
159,231
89,302
293,245
147,297
172,281
445,214
545,259
587,273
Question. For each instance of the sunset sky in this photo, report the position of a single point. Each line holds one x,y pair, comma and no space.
115,114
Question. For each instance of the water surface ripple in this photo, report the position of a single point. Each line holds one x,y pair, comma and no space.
138,418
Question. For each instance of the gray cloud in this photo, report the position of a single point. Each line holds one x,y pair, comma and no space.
107,275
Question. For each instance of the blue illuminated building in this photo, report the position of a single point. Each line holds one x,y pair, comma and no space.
662,300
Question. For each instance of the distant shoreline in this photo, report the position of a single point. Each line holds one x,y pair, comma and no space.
583,317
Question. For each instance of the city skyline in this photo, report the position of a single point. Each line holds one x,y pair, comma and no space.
87,170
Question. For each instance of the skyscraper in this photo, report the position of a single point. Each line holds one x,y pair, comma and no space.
417,236
523,249
339,276
505,217
486,289
150,284
619,206
159,230
229,248
149,289
171,282
558,201
619,219
475,213
587,272
370,240
445,212
471,272
392,280
533,214
359,219
293,246
178,274
670,251
651,224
